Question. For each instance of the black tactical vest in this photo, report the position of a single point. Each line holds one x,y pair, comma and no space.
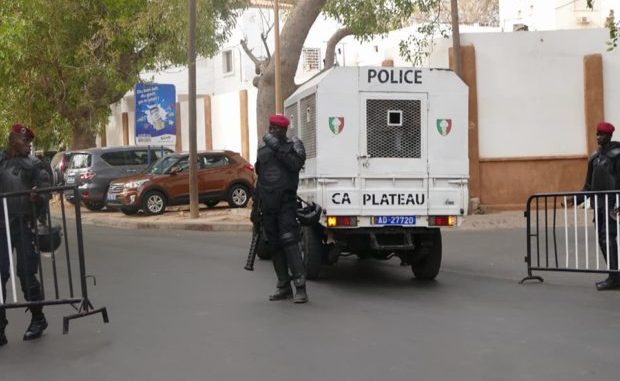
604,170
18,174
276,183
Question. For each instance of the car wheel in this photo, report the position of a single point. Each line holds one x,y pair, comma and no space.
154,202
238,196
211,203
129,211
94,205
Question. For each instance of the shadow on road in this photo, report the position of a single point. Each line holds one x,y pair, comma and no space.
352,273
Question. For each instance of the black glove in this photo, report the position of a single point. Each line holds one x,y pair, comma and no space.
254,215
271,141
298,147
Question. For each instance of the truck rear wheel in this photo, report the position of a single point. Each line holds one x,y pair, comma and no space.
312,249
427,260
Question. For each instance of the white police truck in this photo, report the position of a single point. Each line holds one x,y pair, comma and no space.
387,161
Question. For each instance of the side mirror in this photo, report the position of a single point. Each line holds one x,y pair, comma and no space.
174,170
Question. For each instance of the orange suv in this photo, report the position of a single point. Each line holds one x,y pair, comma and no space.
222,175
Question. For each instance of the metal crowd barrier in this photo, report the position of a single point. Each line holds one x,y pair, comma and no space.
563,232
57,287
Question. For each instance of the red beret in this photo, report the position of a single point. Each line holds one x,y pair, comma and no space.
605,128
279,120
20,129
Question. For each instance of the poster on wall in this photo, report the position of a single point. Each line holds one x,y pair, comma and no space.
155,114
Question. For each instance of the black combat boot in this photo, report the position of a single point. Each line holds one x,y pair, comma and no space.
612,282
38,324
296,264
300,295
300,290
3,340
3,321
282,293
284,290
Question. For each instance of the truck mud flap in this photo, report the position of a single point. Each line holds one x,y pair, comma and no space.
406,245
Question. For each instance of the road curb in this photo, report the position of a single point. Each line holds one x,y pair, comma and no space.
477,222
168,225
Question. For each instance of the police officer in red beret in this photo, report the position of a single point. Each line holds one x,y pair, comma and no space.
604,175
20,171
278,164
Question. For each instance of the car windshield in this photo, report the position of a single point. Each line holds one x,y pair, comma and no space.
162,165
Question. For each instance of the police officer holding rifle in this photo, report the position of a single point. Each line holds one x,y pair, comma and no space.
19,171
278,164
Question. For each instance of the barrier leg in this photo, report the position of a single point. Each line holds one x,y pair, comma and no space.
528,257
84,310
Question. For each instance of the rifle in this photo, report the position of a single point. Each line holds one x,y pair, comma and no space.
257,232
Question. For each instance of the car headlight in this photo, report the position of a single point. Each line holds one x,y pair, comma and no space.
134,184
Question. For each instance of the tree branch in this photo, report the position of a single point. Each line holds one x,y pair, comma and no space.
331,46
248,51
263,37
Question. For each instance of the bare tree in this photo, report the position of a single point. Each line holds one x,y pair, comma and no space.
293,34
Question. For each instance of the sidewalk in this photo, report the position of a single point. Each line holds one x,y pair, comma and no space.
222,218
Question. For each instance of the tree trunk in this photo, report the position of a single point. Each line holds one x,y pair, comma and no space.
292,38
82,137
456,37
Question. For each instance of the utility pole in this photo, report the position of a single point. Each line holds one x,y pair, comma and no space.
276,55
193,157
456,37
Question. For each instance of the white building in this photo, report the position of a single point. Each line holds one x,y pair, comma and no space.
554,14
225,81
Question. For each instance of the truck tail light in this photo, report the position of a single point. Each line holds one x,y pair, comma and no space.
249,167
442,220
334,221
87,176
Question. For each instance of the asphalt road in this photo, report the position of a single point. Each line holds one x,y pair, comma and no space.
182,308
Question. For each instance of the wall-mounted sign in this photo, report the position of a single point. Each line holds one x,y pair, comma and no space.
155,114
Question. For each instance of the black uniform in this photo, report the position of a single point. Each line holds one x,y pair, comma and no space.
278,164
603,175
21,174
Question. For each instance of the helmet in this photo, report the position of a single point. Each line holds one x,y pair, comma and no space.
48,238
308,213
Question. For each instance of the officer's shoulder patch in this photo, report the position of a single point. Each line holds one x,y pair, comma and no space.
613,153
30,162
594,155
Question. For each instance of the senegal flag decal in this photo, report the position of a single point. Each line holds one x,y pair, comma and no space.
444,126
336,124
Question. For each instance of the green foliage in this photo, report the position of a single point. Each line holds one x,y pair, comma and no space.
370,17
63,62
367,18
613,27
610,24
418,46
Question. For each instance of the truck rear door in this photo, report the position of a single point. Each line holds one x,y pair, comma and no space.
393,164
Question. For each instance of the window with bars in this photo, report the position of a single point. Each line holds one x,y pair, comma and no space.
291,113
312,59
393,128
307,122
227,62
